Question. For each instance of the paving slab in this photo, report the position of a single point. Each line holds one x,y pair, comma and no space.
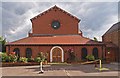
60,70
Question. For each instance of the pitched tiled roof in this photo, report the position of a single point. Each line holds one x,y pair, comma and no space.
49,40
115,27
57,8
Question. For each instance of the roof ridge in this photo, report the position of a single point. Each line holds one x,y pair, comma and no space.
55,7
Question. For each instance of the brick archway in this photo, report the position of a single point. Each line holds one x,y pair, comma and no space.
57,48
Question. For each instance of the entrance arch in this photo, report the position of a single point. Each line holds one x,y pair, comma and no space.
58,54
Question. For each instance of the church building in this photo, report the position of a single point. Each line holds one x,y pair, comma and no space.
54,32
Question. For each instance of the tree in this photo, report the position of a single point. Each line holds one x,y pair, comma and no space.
71,55
40,58
95,39
2,44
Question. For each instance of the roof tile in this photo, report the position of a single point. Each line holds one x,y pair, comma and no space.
55,40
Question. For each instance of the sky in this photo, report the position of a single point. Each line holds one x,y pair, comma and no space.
96,17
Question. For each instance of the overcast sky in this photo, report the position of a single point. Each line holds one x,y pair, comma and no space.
96,17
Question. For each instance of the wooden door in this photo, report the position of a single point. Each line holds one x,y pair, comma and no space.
57,55
110,54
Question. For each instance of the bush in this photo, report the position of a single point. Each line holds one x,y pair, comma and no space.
37,59
4,57
8,58
12,58
23,59
90,57
41,56
72,56
30,60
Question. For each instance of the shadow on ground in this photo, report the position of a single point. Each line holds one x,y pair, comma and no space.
90,68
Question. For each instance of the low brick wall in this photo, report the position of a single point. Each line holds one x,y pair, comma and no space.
8,64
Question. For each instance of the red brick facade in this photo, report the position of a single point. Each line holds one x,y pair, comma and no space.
112,39
42,25
37,49
45,39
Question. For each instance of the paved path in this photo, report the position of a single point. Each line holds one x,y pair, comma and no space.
60,70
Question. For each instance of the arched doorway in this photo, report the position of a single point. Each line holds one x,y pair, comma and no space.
95,53
28,53
56,54
84,53
17,52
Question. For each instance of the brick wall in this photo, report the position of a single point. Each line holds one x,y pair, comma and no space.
112,37
37,49
42,24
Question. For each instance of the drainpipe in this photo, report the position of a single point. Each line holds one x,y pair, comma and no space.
102,53
8,49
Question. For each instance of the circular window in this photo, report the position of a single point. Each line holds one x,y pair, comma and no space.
55,24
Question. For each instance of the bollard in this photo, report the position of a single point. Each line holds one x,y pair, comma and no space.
100,64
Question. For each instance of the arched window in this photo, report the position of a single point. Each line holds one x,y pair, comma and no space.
84,53
28,53
17,52
95,53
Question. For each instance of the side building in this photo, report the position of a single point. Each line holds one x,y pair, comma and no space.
112,39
